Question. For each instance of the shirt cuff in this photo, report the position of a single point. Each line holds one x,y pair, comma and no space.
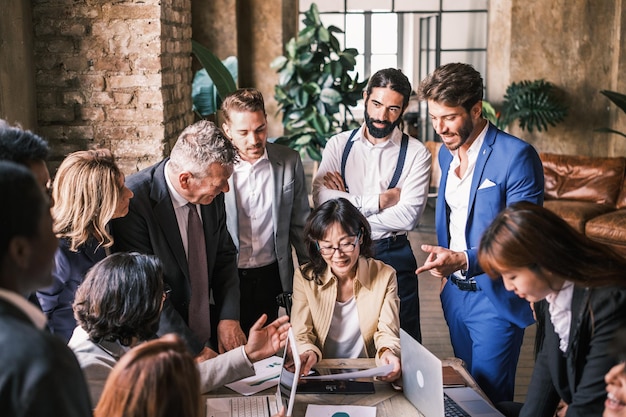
369,205
243,352
464,271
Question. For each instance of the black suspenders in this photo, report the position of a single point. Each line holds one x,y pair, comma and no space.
401,158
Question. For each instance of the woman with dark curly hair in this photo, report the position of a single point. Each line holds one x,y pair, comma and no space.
345,304
118,306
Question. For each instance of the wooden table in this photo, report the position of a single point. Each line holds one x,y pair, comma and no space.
388,401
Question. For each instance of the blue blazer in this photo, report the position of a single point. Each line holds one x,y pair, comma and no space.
514,168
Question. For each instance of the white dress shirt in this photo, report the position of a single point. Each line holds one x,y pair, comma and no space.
344,338
560,308
254,188
458,194
369,170
180,209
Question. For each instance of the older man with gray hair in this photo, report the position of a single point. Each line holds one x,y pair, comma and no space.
178,215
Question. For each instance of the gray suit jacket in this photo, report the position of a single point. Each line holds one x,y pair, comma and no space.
290,209
150,227
97,361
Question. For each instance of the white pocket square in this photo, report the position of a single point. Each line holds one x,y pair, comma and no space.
487,184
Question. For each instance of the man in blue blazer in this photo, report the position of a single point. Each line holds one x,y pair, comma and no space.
483,170
267,207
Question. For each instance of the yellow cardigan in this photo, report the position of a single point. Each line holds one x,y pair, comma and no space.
377,302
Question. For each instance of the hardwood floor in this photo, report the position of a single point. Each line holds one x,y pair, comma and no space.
434,328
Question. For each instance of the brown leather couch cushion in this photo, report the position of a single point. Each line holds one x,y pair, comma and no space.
582,178
609,228
576,213
621,200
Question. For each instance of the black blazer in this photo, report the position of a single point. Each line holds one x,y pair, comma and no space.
39,374
577,376
150,227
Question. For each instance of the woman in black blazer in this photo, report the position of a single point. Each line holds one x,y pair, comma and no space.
580,282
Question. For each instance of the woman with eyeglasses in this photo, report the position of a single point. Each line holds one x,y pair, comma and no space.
345,304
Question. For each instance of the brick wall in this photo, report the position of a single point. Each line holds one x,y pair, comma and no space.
114,75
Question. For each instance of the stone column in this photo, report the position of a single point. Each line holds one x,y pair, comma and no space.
113,74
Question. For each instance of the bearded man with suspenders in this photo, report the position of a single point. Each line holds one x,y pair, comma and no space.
385,174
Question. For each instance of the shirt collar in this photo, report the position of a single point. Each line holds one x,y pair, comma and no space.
177,199
562,299
245,165
395,139
32,312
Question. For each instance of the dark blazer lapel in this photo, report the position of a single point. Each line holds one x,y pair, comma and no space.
166,217
9,309
278,172
580,300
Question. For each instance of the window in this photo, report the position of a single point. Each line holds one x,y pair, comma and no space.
415,36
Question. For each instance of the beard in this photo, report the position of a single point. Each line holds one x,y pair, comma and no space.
382,132
464,133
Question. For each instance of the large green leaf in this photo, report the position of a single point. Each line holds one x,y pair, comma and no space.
607,130
224,82
617,98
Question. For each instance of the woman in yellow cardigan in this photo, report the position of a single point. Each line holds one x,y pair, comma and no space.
345,304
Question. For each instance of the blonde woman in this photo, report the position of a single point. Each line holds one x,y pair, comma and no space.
88,191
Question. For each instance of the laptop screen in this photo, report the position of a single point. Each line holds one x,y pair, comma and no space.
288,380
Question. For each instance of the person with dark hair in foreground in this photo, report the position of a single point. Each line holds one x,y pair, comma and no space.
25,148
540,257
118,307
345,304
39,375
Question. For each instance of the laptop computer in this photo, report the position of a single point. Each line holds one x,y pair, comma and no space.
422,378
263,405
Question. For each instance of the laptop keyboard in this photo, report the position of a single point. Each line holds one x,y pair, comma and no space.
452,409
255,406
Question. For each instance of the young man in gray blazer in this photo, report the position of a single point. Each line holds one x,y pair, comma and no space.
267,207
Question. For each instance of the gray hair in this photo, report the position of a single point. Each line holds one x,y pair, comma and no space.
199,146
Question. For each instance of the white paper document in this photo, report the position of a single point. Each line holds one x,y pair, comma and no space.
365,373
315,410
267,373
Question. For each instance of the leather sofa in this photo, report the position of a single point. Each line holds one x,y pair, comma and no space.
590,194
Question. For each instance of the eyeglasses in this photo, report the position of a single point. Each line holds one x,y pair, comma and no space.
166,293
343,247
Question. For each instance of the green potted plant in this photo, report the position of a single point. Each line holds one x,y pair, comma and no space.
534,104
213,82
315,89
620,101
